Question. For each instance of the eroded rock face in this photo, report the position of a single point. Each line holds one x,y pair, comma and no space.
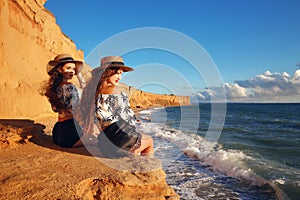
129,185
29,38
14,132
10,136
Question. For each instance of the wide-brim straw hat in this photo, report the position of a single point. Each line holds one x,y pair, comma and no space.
113,62
63,58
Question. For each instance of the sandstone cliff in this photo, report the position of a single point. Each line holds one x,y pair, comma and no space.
29,38
143,100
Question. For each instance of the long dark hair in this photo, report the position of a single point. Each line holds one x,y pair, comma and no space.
50,89
85,111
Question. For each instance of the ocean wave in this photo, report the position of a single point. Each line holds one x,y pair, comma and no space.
211,155
228,162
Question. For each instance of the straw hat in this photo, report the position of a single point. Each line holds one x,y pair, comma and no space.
113,62
63,58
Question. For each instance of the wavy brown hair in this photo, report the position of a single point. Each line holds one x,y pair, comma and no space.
50,88
85,111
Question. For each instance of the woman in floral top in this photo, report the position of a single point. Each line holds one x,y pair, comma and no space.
63,96
110,111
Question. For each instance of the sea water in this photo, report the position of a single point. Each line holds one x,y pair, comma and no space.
256,156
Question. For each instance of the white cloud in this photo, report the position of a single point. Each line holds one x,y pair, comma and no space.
267,85
284,74
235,91
296,76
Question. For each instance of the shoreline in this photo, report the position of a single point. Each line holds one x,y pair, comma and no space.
33,167
160,136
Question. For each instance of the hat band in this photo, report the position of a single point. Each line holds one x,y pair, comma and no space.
114,63
66,59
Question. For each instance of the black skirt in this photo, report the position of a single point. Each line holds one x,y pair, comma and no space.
65,134
118,139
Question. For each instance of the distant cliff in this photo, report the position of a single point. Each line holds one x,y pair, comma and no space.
142,100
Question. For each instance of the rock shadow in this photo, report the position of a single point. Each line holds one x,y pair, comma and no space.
14,132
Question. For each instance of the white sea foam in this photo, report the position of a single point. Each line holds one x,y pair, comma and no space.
145,112
228,162
280,181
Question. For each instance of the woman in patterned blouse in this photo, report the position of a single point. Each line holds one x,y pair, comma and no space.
63,97
110,111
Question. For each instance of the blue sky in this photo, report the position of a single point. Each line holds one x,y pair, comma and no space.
248,41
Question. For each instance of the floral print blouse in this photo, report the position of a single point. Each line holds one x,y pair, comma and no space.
111,108
68,95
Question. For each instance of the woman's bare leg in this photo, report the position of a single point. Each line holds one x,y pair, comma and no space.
78,143
146,148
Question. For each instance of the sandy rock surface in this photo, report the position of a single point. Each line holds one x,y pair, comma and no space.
33,167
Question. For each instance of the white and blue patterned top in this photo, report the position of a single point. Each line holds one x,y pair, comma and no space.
68,95
111,108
